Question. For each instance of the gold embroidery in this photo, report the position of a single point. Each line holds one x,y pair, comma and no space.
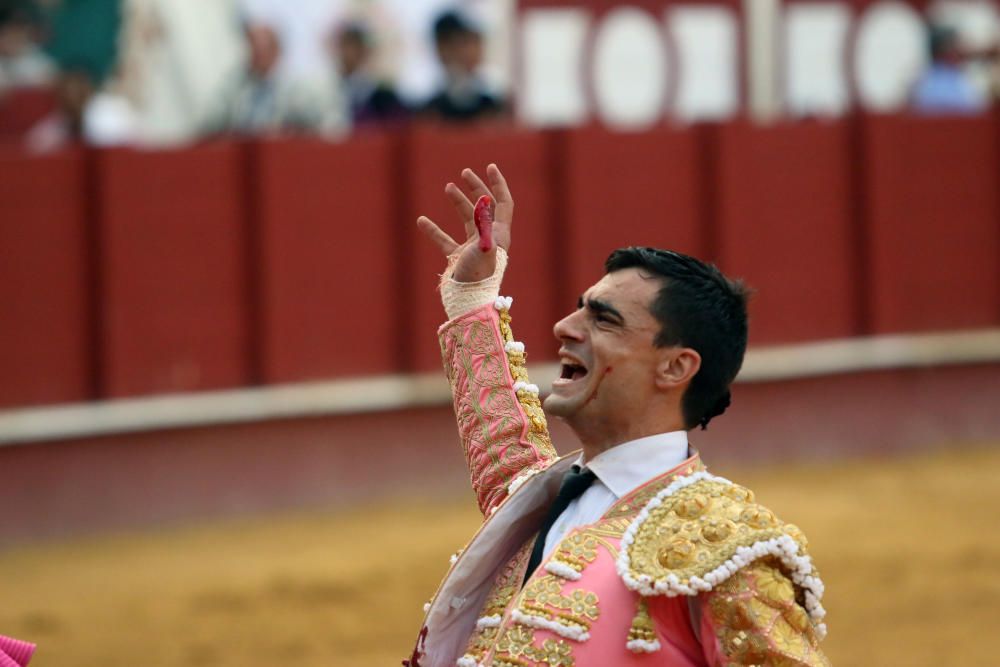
630,505
555,653
508,582
697,529
577,551
499,442
543,597
505,587
613,528
744,648
515,640
758,621
538,432
517,643
642,628
481,641
775,588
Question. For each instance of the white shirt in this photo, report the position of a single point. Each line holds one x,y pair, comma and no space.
619,470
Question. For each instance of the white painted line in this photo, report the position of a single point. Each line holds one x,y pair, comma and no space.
394,392
850,355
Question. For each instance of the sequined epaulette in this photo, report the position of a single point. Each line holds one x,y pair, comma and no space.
699,531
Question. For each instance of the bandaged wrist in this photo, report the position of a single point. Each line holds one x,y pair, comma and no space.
460,298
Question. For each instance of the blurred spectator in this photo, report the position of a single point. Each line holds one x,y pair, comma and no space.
85,32
82,115
945,87
22,61
371,100
74,89
261,100
303,26
176,56
464,95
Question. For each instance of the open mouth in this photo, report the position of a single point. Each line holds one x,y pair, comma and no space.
572,372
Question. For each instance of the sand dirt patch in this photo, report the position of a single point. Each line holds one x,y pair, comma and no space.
908,549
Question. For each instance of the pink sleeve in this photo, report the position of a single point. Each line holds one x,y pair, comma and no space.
753,618
503,429
15,653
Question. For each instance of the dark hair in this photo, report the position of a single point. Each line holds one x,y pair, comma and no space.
940,40
700,308
452,23
356,31
19,13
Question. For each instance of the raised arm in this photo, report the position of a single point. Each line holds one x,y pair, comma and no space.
500,420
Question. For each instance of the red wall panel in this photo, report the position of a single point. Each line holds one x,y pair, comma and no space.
174,280
44,280
21,108
785,225
933,222
627,189
328,284
437,156
346,284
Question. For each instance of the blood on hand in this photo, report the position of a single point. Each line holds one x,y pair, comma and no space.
483,216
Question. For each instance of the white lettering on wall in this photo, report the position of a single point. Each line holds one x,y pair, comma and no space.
708,81
630,69
815,58
552,48
889,54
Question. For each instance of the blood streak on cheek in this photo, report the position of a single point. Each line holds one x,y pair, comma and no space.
593,395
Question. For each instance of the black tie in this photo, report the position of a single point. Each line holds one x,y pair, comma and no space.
574,484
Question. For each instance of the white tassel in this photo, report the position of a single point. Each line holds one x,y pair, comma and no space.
573,632
561,569
503,302
643,646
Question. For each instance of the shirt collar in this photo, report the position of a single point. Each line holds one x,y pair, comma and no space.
631,464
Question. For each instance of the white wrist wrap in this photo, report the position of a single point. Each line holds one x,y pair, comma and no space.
460,298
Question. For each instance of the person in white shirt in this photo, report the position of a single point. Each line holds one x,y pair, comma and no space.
261,100
629,547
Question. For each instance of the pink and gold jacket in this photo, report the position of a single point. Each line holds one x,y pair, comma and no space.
685,570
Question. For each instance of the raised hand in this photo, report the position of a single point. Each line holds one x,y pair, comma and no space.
475,258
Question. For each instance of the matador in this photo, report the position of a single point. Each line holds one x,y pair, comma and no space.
629,552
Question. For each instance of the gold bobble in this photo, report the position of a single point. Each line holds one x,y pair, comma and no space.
676,554
757,517
717,530
693,507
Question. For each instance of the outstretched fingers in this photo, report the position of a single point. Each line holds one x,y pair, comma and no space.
499,184
475,184
505,204
463,207
445,243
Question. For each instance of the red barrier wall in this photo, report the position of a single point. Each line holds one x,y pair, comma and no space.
22,108
784,225
287,260
45,346
328,297
933,222
174,276
628,189
436,156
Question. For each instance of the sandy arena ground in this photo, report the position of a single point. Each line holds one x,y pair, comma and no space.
909,550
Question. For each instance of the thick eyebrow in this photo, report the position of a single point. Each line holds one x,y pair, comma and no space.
598,307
